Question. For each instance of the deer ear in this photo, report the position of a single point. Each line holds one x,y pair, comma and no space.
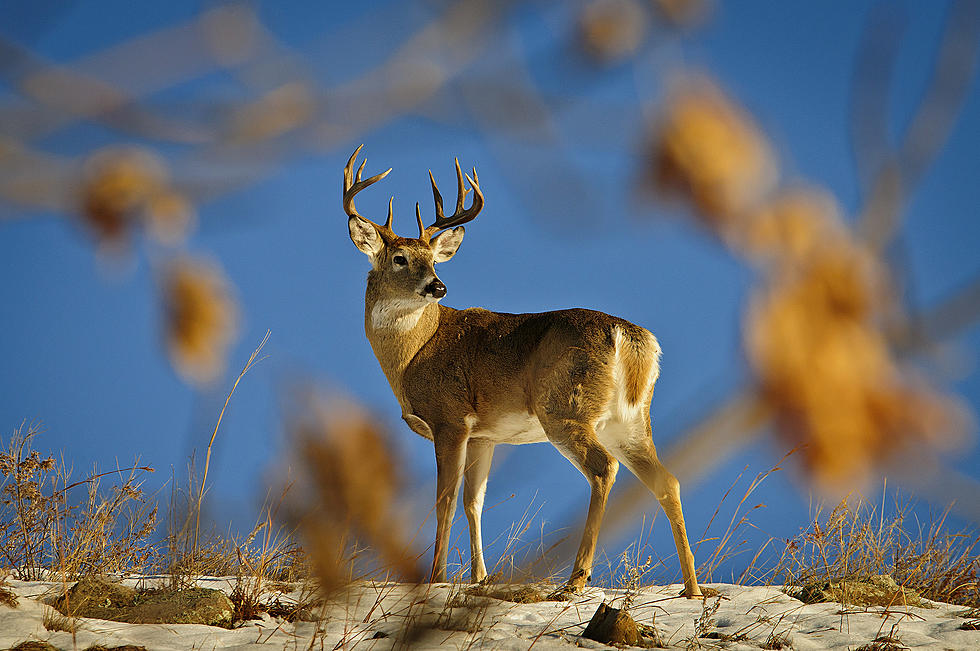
445,244
365,236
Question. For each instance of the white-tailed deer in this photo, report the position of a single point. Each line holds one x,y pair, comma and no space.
471,379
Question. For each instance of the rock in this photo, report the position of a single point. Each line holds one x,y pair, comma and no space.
100,599
874,590
615,626
520,594
612,626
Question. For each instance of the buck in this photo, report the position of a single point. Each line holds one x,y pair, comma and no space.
471,379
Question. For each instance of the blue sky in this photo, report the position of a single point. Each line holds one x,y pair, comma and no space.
564,226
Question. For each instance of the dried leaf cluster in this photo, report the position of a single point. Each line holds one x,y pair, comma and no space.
201,318
348,499
813,332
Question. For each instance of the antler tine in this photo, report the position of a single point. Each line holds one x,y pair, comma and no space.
461,216
418,216
436,196
461,190
353,184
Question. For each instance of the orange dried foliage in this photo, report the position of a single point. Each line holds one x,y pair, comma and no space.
124,187
829,376
116,184
611,30
682,12
708,152
353,485
813,334
791,227
201,319
169,216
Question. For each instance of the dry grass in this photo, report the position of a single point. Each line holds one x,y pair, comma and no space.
53,620
856,540
883,643
267,557
267,553
7,598
517,594
44,527
33,645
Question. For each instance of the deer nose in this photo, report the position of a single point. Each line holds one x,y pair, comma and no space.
436,288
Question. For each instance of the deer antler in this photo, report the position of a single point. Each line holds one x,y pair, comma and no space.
461,216
353,184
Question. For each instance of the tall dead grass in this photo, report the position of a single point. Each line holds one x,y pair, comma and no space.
189,551
857,539
44,526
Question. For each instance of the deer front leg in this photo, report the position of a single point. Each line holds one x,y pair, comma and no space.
450,454
479,453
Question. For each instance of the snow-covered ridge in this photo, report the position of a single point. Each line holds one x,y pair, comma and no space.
373,615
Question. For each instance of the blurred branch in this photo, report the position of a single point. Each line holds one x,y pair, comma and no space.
874,67
553,188
948,318
929,129
942,487
34,179
250,139
105,86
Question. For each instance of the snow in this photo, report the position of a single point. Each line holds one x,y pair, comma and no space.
389,609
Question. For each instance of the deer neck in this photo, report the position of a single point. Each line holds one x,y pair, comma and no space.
397,329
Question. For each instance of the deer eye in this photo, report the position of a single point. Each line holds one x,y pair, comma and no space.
400,260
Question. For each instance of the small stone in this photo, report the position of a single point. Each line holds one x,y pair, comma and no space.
612,626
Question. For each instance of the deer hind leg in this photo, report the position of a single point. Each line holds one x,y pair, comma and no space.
479,452
450,454
578,443
639,455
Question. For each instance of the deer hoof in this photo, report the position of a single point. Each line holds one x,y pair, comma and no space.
565,593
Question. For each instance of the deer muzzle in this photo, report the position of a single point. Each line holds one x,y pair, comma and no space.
436,289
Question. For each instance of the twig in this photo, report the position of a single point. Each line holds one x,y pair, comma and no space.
252,360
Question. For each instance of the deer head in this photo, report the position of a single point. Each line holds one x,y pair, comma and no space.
403,267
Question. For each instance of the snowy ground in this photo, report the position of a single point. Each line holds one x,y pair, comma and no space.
375,615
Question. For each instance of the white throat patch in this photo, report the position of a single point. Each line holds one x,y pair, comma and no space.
397,314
